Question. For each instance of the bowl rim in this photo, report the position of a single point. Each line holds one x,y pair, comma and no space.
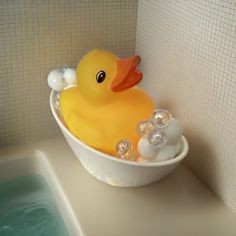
177,159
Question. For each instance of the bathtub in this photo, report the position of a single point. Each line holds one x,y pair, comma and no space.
35,163
171,206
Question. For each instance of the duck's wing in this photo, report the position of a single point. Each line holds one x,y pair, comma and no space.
87,129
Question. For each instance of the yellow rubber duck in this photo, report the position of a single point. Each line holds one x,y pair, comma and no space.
105,107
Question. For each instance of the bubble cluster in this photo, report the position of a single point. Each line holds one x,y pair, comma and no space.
154,129
61,78
57,101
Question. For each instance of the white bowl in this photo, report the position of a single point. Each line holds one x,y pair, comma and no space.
115,171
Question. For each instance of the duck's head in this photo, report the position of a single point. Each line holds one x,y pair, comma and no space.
101,75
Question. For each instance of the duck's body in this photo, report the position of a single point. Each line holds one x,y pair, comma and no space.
104,126
102,114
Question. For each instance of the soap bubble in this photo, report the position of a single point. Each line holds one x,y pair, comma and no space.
144,127
55,80
157,137
63,68
62,78
124,149
160,118
69,76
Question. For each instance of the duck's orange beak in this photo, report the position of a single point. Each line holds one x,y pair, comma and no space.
126,75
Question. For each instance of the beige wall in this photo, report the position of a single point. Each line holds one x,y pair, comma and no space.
188,52
37,36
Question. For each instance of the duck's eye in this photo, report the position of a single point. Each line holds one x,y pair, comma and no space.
101,75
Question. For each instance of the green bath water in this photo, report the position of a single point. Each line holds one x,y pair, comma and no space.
28,208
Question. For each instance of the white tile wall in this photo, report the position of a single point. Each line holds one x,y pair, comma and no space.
39,35
188,51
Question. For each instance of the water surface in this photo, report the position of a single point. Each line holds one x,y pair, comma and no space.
28,208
